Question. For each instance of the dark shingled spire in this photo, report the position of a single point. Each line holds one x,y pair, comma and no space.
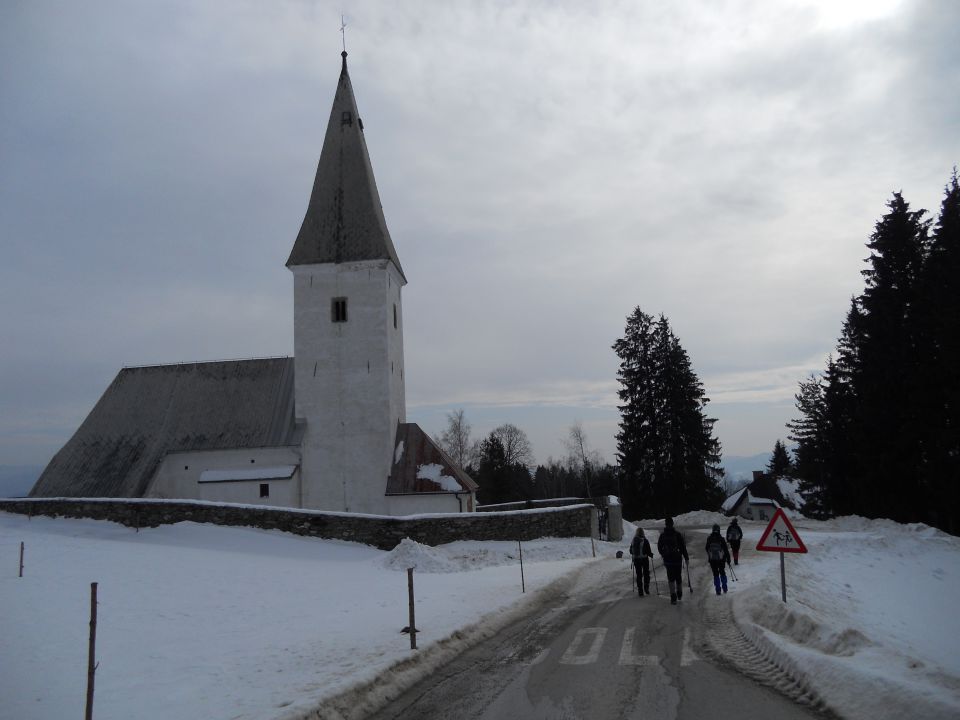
344,220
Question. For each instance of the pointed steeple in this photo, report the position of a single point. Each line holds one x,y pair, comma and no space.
344,220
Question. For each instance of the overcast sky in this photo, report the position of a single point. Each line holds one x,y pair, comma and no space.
544,167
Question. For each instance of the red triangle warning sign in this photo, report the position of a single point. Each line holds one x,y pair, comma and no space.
780,536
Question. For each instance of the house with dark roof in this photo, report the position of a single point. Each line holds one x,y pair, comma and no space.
760,499
324,429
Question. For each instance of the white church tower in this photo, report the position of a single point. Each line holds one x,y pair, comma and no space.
348,325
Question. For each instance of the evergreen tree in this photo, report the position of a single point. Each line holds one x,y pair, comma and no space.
668,455
879,432
499,480
939,355
638,441
779,464
886,377
808,432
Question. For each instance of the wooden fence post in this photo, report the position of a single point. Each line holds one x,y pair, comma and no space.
91,654
523,584
21,558
413,626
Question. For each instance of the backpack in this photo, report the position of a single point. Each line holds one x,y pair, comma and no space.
715,552
668,544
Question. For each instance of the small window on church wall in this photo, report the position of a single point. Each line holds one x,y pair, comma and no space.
338,310
394,314
264,489
346,118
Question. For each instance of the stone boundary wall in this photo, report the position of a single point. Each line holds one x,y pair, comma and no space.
381,531
532,504
614,531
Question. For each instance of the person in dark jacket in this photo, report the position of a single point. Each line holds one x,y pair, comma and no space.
673,550
734,536
718,556
641,553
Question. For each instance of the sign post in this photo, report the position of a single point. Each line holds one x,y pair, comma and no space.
780,536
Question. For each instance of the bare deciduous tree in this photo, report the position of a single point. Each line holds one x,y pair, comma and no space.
516,445
581,459
455,440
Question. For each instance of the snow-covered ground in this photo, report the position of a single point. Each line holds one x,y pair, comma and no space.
204,621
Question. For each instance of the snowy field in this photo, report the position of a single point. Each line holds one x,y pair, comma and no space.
215,622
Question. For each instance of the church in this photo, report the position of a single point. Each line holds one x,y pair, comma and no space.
325,429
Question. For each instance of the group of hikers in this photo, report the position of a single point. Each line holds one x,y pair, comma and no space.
673,550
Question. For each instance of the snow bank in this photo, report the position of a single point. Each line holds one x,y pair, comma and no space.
869,621
207,621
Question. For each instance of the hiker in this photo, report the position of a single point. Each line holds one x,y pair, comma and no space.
673,550
641,553
718,556
734,536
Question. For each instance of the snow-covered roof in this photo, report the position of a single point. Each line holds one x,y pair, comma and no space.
753,500
277,472
419,466
731,502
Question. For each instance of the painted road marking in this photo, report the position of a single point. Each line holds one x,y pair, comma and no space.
687,655
570,657
626,651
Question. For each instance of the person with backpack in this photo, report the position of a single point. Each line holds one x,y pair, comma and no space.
734,536
673,550
641,553
718,557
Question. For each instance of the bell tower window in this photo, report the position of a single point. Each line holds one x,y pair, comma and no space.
338,310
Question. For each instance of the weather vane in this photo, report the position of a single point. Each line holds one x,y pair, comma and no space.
343,32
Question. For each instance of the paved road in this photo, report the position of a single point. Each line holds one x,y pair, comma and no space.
598,654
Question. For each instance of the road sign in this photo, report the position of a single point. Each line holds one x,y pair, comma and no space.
780,536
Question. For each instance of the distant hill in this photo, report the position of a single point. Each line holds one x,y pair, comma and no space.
740,467
17,480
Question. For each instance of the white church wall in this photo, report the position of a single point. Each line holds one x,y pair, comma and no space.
421,503
349,382
280,492
178,476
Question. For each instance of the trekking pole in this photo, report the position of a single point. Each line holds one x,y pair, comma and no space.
732,572
688,578
655,581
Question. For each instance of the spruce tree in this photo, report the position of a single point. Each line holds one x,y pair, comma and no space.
779,464
808,432
668,456
886,379
939,354
879,432
638,440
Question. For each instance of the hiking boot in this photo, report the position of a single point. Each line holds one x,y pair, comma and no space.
718,591
673,599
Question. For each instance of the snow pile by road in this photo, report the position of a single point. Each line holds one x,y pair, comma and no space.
216,622
870,620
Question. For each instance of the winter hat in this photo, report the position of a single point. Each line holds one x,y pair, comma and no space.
669,522
640,532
